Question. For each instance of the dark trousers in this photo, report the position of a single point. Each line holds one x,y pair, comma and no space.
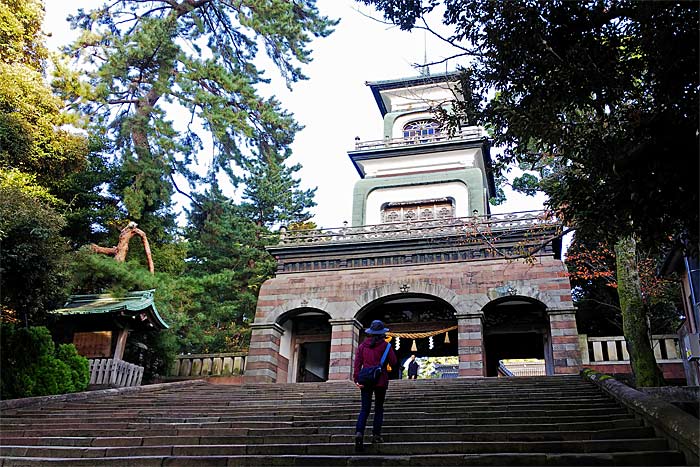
379,395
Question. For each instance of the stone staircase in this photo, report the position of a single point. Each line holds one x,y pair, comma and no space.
561,420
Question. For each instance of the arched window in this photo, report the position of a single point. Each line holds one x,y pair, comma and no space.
421,129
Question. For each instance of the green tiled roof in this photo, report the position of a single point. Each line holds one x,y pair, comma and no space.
136,302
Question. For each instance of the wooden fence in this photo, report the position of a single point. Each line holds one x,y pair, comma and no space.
215,364
613,350
107,371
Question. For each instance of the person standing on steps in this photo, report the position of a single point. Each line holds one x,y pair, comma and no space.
413,368
370,353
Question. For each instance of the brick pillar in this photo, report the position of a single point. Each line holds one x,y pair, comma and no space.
565,346
344,340
471,344
263,359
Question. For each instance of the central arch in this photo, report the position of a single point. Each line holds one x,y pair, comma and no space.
414,313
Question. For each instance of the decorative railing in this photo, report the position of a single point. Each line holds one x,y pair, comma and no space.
613,350
464,227
469,133
107,371
446,370
536,368
217,364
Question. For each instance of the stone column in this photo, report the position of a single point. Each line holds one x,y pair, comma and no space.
345,334
471,344
263,359
565,346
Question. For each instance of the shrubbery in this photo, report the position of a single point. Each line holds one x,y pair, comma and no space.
32,365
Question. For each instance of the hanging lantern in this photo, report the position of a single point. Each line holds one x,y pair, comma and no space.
447,338
430,343
398,342
414,348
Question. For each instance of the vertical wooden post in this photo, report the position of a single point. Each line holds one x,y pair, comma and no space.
121,344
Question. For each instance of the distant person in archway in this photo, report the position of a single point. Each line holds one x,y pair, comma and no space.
373,354
413,368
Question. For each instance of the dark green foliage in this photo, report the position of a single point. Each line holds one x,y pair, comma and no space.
87,210
79,365
33,260
272,195
598,98
144,63
155,352
208,305
32,366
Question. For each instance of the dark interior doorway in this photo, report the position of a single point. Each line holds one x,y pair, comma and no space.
515,345
308,344
314,358
516,327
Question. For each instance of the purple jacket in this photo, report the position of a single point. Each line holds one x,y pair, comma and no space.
368,356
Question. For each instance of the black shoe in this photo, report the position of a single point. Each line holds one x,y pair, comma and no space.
359,446
376,439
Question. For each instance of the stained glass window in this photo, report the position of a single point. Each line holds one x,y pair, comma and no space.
421,129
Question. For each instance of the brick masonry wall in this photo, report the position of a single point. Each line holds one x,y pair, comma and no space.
344,339
466,286
671,371
565,343
471,345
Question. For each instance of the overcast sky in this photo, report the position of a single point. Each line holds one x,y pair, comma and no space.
334,104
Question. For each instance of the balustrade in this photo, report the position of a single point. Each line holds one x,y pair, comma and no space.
466,134
217,364
613,350
465,227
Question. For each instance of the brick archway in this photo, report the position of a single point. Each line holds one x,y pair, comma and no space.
399,288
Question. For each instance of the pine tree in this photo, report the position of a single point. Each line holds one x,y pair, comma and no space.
146,61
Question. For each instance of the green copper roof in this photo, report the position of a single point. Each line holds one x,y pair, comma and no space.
133,302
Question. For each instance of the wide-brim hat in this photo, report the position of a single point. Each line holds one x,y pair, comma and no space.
377,327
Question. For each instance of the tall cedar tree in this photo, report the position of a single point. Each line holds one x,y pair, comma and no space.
226,251
598,97
142,62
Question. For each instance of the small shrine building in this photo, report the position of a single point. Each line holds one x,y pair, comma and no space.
424,254
99,324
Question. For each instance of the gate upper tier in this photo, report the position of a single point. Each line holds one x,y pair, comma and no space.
496,236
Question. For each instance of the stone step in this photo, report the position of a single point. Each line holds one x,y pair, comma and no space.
10,422
523,421
390,404
228,411
472,399
129,424
347,449
345,428
502,459
146,440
